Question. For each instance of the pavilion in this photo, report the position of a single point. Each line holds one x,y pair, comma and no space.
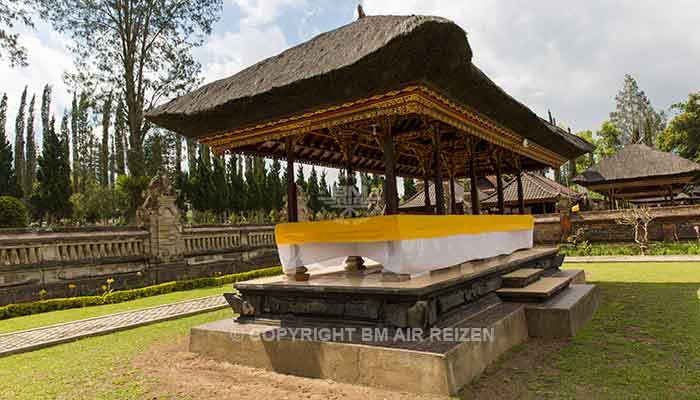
405,108
397,96
541,195
637,173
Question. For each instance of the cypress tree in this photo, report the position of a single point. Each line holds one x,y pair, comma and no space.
8,179
220,194
65,136
75,147
104,146
312,190
277,190
30,162
19,139
119,137
324,191
46,110
202,184
251,186
53,176
300,178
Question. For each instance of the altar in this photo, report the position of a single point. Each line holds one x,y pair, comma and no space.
402,244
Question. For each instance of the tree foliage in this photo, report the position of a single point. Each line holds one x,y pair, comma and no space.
682,135
13,12
53,177
141,47
8,179
634,117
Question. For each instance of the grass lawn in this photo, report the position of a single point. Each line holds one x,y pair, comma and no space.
57,317
644,342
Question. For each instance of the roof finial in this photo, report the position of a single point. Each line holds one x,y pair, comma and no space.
360,11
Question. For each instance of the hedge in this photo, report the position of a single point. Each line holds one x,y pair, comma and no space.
17,310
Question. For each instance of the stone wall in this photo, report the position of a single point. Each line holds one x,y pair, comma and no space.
67,262
73,262
671,223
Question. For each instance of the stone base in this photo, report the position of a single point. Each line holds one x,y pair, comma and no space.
563,315
433,366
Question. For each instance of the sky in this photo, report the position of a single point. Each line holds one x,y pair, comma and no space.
569,57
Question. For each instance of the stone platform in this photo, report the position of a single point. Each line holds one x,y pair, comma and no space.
369,299
504,300
439,365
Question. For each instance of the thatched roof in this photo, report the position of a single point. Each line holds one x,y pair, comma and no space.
536,189
367,57
418,199
637,162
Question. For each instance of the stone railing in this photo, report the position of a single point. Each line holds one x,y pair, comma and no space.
670,223
43,263
213,238
31,247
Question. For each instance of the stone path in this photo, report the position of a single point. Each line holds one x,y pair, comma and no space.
631,259
32,339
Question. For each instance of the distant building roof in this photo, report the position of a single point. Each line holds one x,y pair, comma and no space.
638,171
637,161
418,199
536,189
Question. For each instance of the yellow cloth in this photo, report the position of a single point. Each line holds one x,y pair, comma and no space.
397,227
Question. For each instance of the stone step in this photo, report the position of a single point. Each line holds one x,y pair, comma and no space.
563,315
521,277
578,276
540,290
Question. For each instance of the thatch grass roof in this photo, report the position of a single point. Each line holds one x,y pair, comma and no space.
418,199
367,57
637,162
536,189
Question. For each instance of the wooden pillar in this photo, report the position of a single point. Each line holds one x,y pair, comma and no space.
426,193
292,211
347,145
521,196
437,170
453,199
476,203
391,193
499,185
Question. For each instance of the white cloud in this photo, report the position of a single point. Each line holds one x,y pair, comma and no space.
258,12
49,58
571,56
225,54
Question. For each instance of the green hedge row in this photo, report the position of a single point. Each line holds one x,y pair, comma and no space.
16,310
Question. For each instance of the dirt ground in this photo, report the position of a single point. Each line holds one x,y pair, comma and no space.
170,371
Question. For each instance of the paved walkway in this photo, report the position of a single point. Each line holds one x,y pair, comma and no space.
21,341
630,259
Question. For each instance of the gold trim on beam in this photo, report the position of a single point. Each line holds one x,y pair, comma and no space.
416,100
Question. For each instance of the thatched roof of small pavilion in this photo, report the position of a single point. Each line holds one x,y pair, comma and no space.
367,57
536,189
638,171
417,201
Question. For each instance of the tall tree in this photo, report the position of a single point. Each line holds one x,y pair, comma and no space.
75,148
191,154
19,139
65,135
8,179
276,189
300,180
236,185
683,132
635,117
30,162
313,191
53,176
119,138
587,160
143,47
11,13
220,195
46,110
104,146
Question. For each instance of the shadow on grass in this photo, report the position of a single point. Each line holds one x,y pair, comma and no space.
643,342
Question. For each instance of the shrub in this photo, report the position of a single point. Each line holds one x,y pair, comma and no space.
16,310
13,213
